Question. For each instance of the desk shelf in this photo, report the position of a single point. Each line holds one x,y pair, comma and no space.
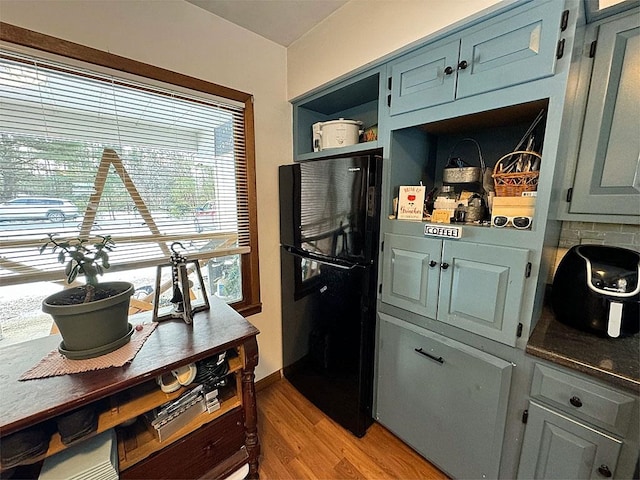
124,394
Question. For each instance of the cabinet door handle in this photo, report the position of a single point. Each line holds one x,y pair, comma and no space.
433,263
604,471
444,265
462,65
448,70
427,354
575,401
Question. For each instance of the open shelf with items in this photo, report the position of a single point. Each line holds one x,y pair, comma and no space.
130,404
355,99
122,396
419,154
137,442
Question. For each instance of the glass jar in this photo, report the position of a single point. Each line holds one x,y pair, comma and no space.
447,191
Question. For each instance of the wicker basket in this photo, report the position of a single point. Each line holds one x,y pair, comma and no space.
513,184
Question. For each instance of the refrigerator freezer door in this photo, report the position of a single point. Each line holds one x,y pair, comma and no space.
325,206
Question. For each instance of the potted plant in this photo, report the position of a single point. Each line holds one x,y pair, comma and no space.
92,318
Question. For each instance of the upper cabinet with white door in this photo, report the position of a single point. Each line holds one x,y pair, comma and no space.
510,49
604,183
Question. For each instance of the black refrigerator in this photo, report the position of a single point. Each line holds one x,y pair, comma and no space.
329,230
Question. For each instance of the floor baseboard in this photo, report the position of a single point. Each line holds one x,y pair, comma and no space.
268,380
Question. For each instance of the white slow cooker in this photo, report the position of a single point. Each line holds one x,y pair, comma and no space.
335,134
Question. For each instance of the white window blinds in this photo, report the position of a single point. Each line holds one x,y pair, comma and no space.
146,165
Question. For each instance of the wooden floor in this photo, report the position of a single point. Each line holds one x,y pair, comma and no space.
299,442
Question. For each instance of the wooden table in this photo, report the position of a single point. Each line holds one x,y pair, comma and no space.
130,391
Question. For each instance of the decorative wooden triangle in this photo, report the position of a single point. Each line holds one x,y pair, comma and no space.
110,157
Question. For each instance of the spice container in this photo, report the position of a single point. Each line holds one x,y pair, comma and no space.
475,208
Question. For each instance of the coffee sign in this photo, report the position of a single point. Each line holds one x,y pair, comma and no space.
442,231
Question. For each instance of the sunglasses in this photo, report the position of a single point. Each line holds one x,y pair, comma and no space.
520,223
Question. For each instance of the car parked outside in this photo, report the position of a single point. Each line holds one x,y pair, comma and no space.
205,217
38,208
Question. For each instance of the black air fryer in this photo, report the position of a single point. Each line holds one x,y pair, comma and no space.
597,289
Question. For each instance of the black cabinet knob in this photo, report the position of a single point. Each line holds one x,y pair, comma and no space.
575,401
444,265
448,70
604,471
462,65
433,263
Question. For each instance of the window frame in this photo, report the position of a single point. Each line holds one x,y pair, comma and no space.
251,303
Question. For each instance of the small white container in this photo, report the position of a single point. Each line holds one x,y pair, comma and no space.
336,134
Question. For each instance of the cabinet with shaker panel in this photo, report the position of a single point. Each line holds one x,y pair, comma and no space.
515,47
603,183
578,428
445,399
467,285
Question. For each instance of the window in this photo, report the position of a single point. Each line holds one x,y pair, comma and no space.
89,146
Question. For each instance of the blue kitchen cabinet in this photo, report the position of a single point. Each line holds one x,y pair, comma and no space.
558,447
577,428
424,79
411,272
445,399
472,286
583,399
607,174
515,47
451,311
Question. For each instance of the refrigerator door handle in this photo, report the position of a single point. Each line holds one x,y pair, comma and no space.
297,252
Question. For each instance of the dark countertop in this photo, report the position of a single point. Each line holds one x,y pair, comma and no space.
614,360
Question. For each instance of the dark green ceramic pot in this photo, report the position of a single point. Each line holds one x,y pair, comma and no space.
92,329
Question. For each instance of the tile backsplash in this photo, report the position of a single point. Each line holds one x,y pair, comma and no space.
611,234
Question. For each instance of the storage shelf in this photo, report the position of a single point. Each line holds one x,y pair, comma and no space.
137,442
122,396
484,234
484,226
132,403
357,148
489,119
355,99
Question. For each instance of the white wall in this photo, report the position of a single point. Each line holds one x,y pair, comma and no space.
178,36
362,31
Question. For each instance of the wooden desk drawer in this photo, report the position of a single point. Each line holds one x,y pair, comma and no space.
581,398
195,454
